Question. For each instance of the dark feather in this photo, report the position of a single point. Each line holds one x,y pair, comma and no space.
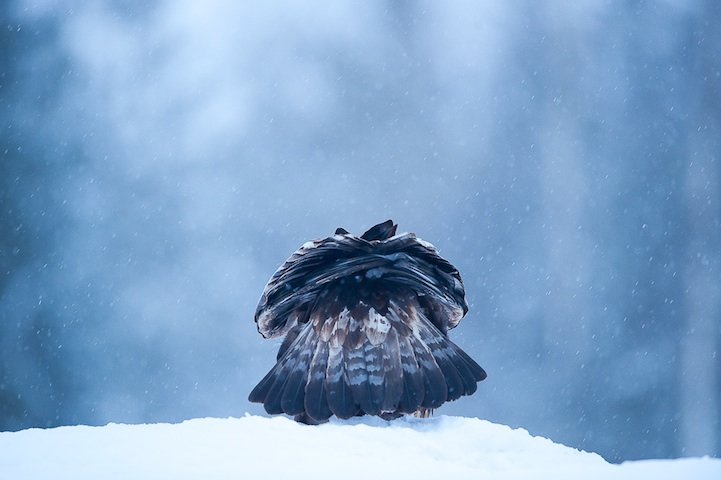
376,376
288,340
355,367
273,398
293,398
355,337
413,383
382,231
316,400
292,361
436,390
340,397
260,392
464,370
476,370
441,351
393,378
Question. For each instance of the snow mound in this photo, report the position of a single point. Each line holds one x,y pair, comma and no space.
258,447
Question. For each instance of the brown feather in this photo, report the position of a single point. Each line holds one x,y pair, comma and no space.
365,323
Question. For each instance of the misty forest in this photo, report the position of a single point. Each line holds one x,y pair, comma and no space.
160,159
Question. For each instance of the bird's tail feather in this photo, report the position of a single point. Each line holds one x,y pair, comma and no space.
340,396
414,367
282,390
460,372
317,400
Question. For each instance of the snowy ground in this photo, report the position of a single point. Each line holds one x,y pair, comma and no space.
257,447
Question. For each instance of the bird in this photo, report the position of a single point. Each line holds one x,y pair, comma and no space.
364,322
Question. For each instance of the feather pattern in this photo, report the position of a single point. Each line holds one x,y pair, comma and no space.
393,373
376,376
293,398
438,346
340,396
413,378
316,396
355,367
435,387
365,322
292,362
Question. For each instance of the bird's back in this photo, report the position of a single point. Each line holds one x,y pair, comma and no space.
365,321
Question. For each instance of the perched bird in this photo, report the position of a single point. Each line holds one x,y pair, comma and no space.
365,323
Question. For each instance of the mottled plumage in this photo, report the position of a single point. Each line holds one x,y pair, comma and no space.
365,322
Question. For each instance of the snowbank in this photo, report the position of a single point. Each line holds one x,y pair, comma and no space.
257,447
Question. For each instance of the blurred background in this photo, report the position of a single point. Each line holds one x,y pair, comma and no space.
160,159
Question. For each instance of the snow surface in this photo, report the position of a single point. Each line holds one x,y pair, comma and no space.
258,447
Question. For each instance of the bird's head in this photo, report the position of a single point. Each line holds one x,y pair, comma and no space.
380,232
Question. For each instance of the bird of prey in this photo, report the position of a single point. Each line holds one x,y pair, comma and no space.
365,323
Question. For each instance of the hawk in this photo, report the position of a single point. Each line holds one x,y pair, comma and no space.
365,323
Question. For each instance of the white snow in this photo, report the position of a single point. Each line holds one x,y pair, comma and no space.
257,447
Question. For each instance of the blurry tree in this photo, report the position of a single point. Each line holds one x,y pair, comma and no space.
36,387
699,381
